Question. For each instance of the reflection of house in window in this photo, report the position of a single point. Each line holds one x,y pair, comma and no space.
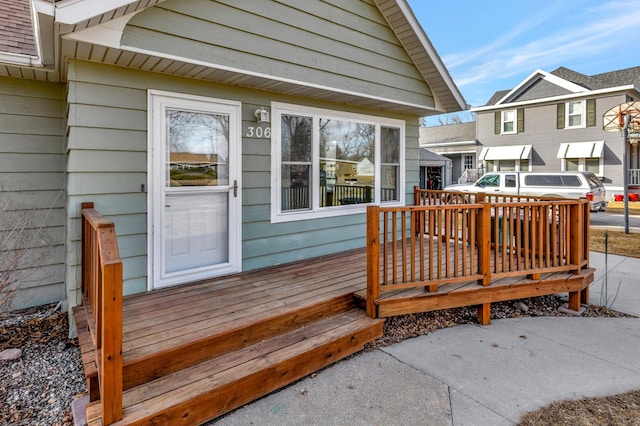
189,169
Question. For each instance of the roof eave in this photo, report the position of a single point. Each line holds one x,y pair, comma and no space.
588,93
398,14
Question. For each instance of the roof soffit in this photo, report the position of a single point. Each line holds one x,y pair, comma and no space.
87,23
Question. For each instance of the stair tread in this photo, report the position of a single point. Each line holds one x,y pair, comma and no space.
192,382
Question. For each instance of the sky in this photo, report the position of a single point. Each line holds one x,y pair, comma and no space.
491,45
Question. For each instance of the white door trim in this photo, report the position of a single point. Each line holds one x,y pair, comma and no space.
157,101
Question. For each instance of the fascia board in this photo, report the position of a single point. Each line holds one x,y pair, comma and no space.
589,93
108,34
534,76
433,55
445,144
73,11
19,60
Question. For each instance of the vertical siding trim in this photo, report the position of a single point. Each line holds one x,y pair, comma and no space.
591,112
520,114
560,116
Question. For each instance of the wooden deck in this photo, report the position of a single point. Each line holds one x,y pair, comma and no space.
196,351
191,353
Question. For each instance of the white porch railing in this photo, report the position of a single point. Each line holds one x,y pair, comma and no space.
470,175
634,176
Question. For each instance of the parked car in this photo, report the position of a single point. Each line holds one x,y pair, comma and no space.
540,184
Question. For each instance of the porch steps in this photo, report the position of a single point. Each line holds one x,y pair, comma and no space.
252,366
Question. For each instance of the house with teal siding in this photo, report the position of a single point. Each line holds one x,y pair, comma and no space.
219,136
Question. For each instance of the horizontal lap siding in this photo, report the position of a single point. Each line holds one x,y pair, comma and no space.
107,165
347,45
541,132
32,184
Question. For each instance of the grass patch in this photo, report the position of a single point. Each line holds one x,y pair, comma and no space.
618,242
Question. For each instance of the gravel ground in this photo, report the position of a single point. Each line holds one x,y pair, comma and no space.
39,387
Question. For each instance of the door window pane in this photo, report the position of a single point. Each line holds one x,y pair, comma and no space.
198,149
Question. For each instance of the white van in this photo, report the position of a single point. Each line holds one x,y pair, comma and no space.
540,184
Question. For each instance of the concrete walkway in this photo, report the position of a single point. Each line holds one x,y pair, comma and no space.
473,375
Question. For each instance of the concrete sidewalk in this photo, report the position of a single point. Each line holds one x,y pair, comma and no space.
473,375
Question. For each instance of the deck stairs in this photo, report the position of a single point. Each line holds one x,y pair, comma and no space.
198,375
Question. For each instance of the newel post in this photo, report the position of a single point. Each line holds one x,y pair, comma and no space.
111,384
373,260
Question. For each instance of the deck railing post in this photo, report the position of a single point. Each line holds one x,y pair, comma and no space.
483,240
576,231
373,260
111,359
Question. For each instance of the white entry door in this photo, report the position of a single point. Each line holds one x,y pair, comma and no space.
194,146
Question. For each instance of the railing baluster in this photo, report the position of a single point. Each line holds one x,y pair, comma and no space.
476,237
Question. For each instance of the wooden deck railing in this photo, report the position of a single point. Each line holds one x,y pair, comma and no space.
453,237
102,299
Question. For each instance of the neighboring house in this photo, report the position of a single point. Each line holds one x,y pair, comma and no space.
190,123
554,121
455,141
435,170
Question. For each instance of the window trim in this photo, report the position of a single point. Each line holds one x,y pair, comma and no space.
583,115
315,211
582,164
514,121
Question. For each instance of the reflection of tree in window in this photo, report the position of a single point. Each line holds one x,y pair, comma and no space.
390,163
295,175
347,160
296,138
198,148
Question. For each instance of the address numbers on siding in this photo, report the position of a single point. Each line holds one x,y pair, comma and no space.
258,132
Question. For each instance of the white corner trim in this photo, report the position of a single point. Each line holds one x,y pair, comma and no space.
108,34
73,11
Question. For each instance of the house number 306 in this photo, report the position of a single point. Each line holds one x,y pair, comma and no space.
258,132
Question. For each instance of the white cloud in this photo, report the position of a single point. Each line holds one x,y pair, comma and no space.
588,35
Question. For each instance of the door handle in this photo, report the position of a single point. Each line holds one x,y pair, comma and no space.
235,188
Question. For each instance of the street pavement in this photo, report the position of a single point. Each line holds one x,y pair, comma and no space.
475,375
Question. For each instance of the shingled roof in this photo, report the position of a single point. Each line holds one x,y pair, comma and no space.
458,132
16,28
605,80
